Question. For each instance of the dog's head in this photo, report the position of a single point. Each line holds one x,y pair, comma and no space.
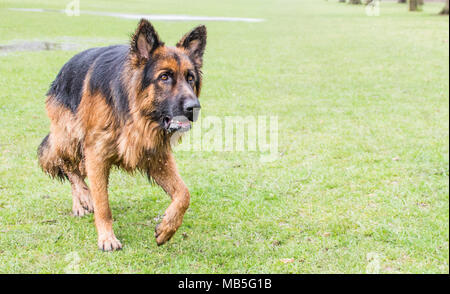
170,77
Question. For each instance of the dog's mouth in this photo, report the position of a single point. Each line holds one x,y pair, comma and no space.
175,124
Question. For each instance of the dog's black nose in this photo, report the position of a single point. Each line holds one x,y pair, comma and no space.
191,108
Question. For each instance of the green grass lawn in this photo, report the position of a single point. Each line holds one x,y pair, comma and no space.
363,109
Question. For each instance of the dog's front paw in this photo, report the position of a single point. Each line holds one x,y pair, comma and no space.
163,232
109,243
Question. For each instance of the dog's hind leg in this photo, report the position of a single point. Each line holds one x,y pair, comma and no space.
97,169
81,196
52,163
49,160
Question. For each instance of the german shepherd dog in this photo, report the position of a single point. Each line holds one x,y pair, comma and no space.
119,106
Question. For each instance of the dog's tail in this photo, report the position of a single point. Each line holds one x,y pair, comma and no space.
49,161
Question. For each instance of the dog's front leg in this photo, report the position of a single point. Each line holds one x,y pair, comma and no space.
166,175
98,173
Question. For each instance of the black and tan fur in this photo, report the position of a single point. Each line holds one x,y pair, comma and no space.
115,106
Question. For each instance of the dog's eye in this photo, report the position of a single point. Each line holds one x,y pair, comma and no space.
190,79
164,77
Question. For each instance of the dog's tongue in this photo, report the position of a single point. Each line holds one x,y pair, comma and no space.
176,125
182,124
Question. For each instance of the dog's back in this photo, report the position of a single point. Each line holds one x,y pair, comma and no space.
105,65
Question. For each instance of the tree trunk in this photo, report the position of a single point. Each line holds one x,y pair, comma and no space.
413,5
445,9
401,1
354,2
342,1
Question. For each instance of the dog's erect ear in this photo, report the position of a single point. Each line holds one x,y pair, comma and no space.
145,40
194,42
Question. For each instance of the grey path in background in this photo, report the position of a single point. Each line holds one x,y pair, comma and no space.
164,17
36,46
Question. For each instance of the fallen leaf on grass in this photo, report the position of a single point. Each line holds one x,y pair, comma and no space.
287,260
143,224
48,221
422,204
276,243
